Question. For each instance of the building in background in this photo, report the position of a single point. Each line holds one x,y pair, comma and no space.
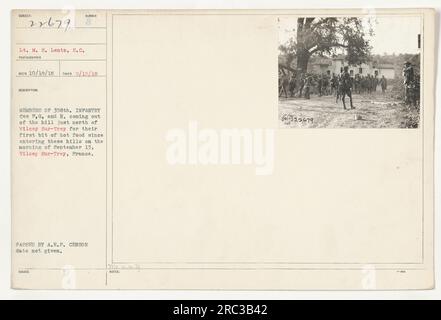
335,65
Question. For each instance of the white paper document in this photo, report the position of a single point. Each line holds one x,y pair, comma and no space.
223,149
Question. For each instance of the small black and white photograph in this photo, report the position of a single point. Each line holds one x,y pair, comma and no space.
349,72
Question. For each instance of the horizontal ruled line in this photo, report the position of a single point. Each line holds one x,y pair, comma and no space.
59,29
61,43
35,60
100,76
215,268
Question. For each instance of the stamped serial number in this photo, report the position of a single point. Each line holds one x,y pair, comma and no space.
290,118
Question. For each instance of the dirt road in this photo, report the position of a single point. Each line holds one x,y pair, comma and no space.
371,111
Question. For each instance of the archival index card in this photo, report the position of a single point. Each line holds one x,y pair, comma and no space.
255,150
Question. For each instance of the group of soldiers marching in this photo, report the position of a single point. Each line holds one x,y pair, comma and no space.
305,84
343,85
369,84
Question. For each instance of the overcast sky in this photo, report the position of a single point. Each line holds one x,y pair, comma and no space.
393,34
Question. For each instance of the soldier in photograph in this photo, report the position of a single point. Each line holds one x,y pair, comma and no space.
376,83
283,85
338,88
357,83
369,83
292,85
408,74
364,84
301,84
307,86
383,84
346,88
334,84
320,85
326,85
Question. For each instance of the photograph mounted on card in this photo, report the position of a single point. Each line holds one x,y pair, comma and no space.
222,149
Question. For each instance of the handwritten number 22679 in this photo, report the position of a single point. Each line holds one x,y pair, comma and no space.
51,23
